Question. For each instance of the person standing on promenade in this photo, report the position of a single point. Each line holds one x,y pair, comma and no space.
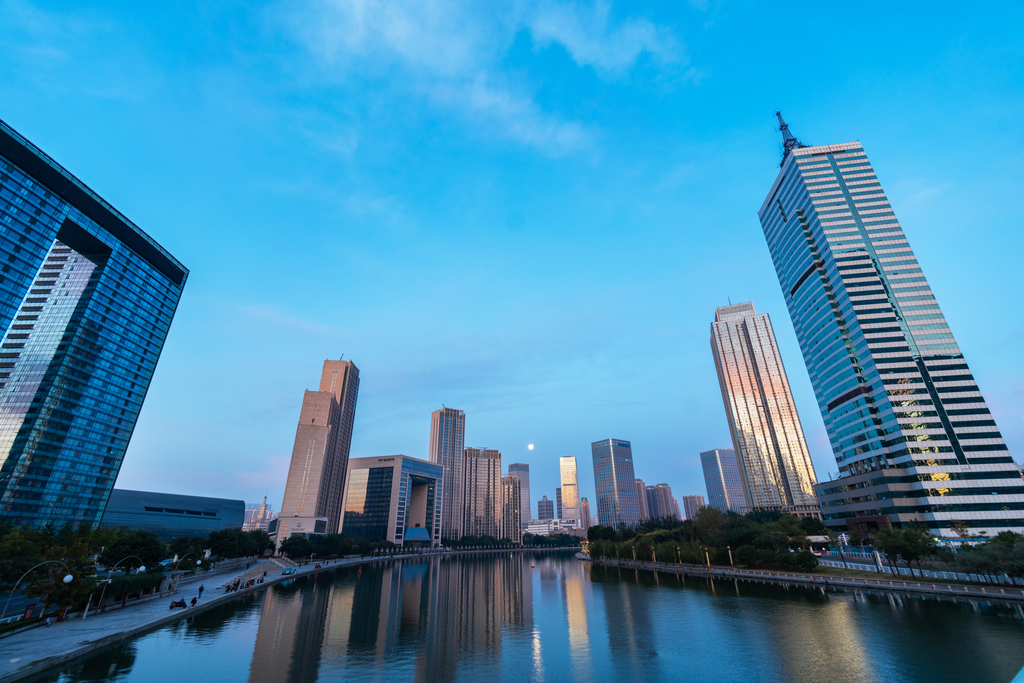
200,591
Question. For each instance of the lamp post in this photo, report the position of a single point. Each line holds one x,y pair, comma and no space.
679,555
730,557
103,592
198,562
68,578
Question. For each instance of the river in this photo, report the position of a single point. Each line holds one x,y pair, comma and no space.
550,617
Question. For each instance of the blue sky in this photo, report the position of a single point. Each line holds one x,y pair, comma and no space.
528,211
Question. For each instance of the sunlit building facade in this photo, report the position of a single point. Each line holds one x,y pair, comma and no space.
316,474
86,302
585,517
481,492
723,480
258,517
512,509
615,483
521,471
447,443
570,489
911,432
393,498
766,432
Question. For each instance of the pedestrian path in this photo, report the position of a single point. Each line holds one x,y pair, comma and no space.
34,650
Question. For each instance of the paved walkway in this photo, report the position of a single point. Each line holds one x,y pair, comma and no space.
988,593
36,649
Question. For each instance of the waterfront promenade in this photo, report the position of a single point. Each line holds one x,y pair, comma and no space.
36,649
999,593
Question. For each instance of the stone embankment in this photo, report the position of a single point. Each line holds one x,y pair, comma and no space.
30,652
825,582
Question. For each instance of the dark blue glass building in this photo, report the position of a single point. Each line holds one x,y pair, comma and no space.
170,515
86,299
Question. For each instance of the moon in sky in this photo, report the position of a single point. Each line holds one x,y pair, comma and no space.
530,446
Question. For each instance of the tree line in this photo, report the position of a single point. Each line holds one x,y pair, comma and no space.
760,539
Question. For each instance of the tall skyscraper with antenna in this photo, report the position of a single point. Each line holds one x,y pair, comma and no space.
914,440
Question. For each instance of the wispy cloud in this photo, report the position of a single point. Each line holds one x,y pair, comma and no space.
451,51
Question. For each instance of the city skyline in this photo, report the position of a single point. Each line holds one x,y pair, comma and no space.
682,127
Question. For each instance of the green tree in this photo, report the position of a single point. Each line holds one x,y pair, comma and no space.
299,546
146,547
747,556
76,559
889,542
183,545
836,542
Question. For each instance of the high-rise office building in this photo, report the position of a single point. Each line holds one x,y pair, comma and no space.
447,443
481,492
258,516
86,300
316,475
641,500
393,498
512,508
521,471
766,431
570,489
691,504
558,501
615,483
723,480
584,513
660,502
910,430
545,509
679,512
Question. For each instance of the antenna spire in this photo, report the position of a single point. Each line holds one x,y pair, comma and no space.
789,141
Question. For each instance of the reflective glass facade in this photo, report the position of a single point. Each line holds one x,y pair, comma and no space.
615,483
570,489
723,480
170,515
86,301
660,502
393,498
447,443
765,427
892,385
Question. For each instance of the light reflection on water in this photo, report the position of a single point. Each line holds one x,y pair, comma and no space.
495,618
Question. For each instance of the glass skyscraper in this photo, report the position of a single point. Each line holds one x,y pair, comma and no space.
765,427
447,442
615,483
86,300
910,430
723,480
570,489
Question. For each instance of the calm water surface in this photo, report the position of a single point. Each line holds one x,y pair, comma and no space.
497,618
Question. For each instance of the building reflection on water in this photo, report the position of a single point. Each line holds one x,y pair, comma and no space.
439,610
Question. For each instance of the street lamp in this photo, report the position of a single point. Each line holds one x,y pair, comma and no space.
679,555
103,592
67,579
198,562
729,548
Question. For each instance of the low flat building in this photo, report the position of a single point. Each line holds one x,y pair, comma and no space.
170,515
282,528
394,498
